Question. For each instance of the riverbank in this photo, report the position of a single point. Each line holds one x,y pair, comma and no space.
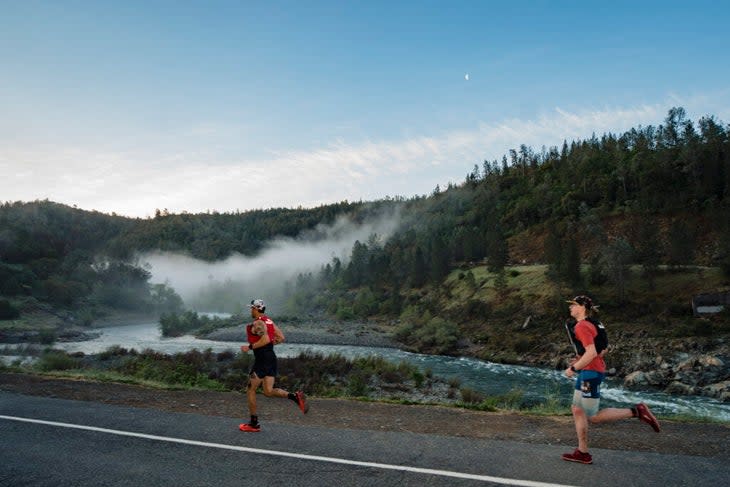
700,439
324,332
42,324
677,366
698,367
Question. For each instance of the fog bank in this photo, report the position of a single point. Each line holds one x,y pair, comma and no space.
242,278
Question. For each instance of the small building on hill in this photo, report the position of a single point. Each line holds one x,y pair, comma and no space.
710,303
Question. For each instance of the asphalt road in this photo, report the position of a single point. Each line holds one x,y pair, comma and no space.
60,442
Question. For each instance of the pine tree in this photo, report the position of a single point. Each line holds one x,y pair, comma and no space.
648,253
553,254
681,244
419,270
497,249
617,256
570,261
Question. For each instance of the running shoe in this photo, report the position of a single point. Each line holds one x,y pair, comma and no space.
642,411
578,456
302,401
248,428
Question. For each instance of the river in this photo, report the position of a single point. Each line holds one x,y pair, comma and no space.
486,377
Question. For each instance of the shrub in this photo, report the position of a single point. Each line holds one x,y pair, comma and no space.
8,311
56,360
345,312
475,308
522,345
366,303
172,324
418,378
436,336
470,396
511,400
46,336
113,351
357,384
404,332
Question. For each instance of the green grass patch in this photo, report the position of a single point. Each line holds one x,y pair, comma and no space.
531,281
118,378
509,401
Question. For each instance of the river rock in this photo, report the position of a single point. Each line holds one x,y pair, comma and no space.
710,361
687,364
653,378
677,387
720,390
658,378
636,379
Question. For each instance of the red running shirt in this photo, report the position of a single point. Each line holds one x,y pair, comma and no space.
586,332
269,330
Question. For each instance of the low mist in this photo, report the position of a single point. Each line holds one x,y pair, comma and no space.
230,284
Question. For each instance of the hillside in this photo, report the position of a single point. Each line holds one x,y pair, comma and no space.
639,220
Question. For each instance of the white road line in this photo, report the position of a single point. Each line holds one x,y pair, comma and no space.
383,466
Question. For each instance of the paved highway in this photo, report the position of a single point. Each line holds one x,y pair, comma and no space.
52,442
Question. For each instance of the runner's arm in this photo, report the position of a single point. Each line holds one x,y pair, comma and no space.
278,335
587,357
261,342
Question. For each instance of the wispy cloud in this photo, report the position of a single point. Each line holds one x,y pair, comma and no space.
137,182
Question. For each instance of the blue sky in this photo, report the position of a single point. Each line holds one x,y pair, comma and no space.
193,106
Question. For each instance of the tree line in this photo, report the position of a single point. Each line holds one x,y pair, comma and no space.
651,196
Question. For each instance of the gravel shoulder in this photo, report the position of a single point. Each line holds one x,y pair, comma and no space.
698,439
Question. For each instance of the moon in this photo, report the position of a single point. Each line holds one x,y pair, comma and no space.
466,76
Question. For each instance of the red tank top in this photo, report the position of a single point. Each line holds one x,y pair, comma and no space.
269,330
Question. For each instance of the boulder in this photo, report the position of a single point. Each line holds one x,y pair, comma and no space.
710,361
636,379
719,390
680,388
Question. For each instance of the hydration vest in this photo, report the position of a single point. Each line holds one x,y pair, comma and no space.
600,341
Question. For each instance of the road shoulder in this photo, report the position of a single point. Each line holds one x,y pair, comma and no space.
698,439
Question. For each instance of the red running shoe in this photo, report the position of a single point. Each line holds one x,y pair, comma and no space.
249,428
302,401
578,456
642,411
